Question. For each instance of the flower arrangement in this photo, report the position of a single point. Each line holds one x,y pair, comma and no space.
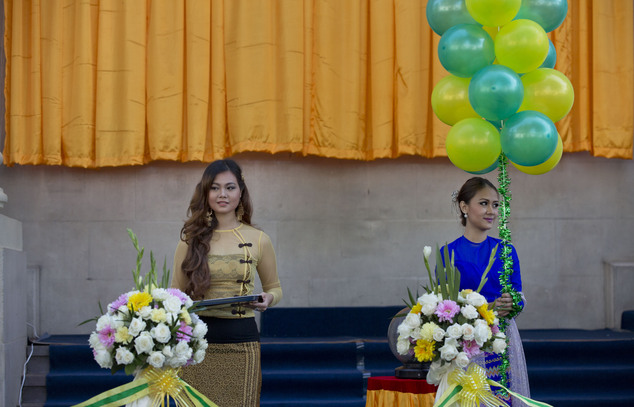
448,326
150,326
149,332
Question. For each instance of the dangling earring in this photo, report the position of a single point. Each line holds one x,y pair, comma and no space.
208,216
240,212
465,215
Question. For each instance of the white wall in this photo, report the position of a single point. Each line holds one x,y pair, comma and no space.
347,233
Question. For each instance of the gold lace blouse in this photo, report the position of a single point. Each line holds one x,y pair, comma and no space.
235,256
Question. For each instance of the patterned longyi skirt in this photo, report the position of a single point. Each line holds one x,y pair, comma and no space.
229,375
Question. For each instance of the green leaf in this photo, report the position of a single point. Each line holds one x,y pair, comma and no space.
88,320
483,280
449,272
129,369
412,301
441,274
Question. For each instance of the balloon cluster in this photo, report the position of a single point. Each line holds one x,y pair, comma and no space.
502,94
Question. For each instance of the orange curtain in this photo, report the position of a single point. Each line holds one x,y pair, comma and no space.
94,83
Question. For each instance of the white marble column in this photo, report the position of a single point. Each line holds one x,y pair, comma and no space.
13,328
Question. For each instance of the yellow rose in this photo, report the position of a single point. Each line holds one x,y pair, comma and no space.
122,335
158,315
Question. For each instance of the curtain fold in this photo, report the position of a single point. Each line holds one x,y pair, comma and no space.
97,83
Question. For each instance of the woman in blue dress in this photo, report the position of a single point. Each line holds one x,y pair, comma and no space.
477,202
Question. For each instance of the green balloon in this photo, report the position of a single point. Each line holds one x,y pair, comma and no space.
473,144
450,100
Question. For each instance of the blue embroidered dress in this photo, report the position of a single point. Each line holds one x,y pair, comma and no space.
472,259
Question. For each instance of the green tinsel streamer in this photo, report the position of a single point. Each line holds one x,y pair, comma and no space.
505,276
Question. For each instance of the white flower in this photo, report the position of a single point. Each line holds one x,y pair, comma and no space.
468,332
117,321
428,309
182,349
451,342
160,294
428,302
480,322
448,352
500,335
123,311
202,344
199,356
412,320
103,358
439,334
167,351
172,304
103,321
469,311
499,345
136,326
404,330
476,299
454,331
462,360
93,340
428,298
177,361
200,329
416,334
145,312
124,356
482,334
161,333
427,251
156,359
171,318
188,302
402,346
144,343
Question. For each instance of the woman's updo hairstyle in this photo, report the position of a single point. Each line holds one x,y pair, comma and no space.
468,190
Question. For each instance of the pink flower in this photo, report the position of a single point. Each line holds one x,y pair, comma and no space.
495,329
106,336
178,293
446,310
122,300
184,332
471,348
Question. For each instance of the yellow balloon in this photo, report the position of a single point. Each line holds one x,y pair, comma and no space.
548,91
473,144
450,100
546,165
522,45
493,13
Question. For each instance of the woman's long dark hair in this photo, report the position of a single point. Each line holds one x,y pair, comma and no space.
197,232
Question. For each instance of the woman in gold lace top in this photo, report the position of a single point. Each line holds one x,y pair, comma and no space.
218,256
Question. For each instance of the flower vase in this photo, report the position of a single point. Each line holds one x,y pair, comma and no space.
412,368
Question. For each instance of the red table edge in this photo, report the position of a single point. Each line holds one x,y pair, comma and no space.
393,383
